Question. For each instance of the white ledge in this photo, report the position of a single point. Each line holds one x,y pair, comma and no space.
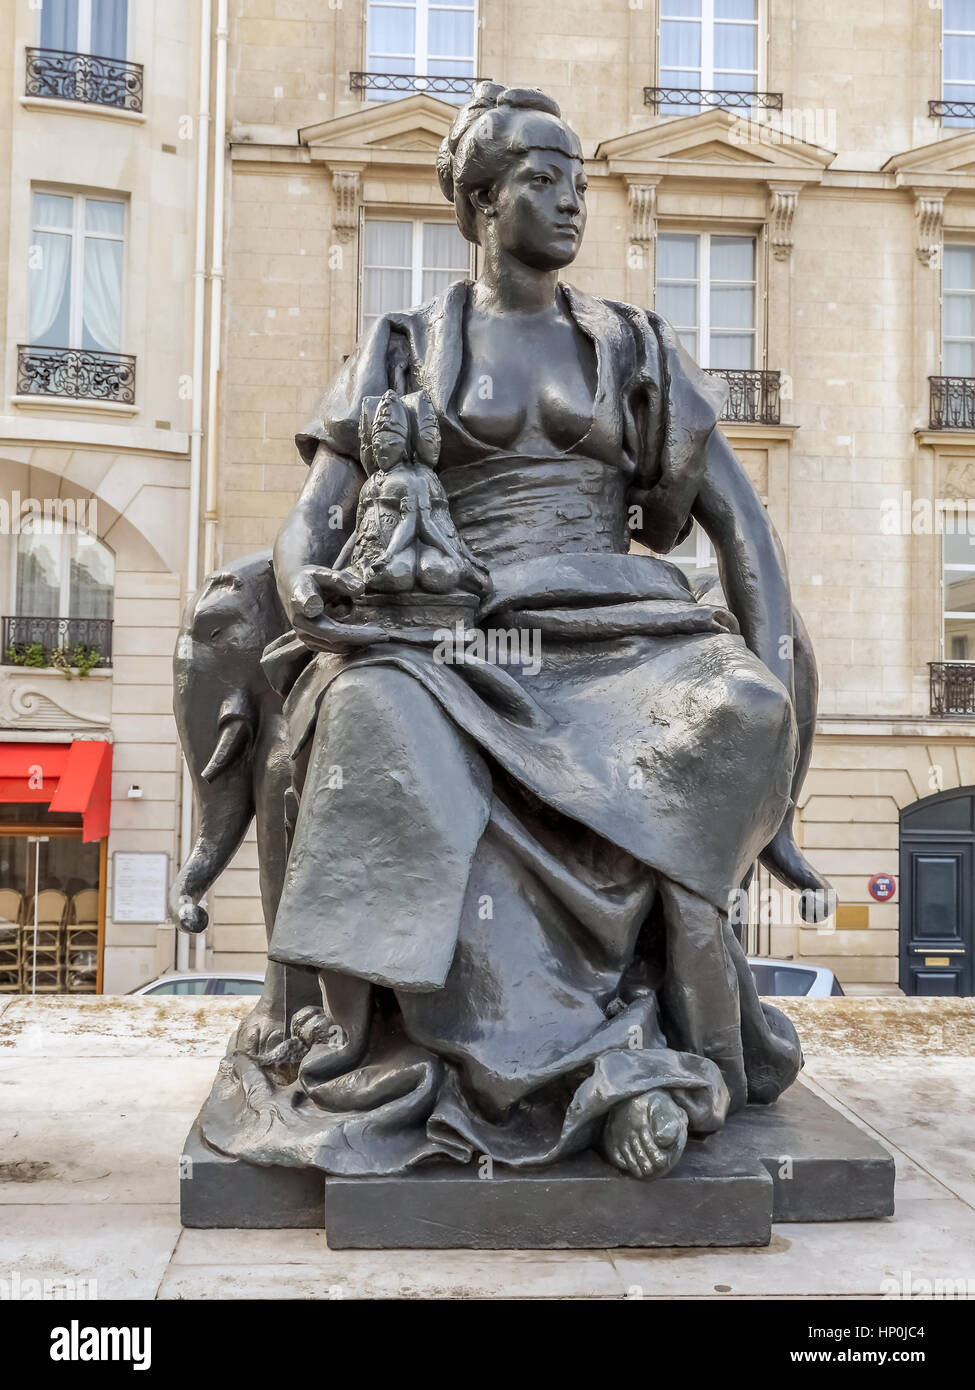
43,403
84,108
101,433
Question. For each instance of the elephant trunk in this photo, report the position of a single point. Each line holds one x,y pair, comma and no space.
224,796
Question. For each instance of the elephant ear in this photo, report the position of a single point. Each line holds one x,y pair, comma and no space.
235,725
426,431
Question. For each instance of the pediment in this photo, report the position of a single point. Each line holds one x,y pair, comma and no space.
955,155
715,138
416,123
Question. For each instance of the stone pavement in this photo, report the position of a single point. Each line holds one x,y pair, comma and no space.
97,1095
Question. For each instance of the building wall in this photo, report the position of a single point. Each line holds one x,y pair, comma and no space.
131,461
851,290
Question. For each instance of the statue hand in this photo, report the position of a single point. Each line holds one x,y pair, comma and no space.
317,587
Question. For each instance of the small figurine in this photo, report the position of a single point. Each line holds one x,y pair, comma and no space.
405,539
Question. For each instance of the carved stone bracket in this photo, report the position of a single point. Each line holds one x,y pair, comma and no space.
929,217
345,186
643,213
783,201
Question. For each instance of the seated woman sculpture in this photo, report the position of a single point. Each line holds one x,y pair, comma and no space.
514,886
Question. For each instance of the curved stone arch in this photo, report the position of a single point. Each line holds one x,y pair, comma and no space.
139,534
941,798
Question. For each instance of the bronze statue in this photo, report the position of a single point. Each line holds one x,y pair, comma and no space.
502,926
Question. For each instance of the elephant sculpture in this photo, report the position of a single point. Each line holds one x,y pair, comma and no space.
233,736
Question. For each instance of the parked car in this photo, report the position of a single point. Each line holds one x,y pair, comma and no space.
793,977
203,982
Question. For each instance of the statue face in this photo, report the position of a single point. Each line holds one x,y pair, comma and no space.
540,209
388,449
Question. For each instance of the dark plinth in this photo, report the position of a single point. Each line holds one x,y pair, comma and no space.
799,1160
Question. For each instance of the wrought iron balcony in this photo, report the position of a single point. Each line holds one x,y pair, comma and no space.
952,402
952,688
952,110
85,77
77,373
693,98
753,396
405,83
44,642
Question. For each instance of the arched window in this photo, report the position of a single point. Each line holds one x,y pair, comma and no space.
70,575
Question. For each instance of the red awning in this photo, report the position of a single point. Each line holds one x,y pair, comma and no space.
74,776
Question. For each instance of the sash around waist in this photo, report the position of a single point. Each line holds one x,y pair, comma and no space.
517,507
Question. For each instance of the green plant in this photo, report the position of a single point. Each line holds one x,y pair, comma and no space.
27,654
82,657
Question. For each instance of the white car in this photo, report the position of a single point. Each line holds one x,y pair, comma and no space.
793,977
195,982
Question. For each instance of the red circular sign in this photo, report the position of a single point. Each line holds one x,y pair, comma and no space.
882,887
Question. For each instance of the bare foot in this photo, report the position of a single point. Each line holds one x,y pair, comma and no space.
262,1030
645,1136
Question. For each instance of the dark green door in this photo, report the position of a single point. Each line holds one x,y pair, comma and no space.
937,894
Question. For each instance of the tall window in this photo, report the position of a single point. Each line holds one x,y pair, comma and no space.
708,45
406,262
958,57
76,272
706,289
959,597
695,556
85,26
958,311
431,38
68,575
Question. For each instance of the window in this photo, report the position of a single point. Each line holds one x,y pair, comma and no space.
695,556
408,262
958,311
959,596
708,45
706,289
85,26
958,57
67,575
76,272
423,37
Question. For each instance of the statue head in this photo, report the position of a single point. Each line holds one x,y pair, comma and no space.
389,437
514,172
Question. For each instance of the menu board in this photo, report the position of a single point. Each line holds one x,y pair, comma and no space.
139,883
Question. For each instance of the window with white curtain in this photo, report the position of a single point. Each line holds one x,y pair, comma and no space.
959,596
424,37
958,57
67,575
706,290
99,27
695,555
406,261
708,45
958,310
75,264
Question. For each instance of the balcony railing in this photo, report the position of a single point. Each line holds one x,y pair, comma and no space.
85,77
76,373
753,396
693,98
952,402
401,84
952,110
42,642
952,688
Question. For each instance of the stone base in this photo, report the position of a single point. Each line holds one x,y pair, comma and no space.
799,1160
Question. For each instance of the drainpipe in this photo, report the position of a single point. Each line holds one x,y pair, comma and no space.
211,515
196,433
215,323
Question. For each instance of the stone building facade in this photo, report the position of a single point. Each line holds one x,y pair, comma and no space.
847,190
791,184
97,197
